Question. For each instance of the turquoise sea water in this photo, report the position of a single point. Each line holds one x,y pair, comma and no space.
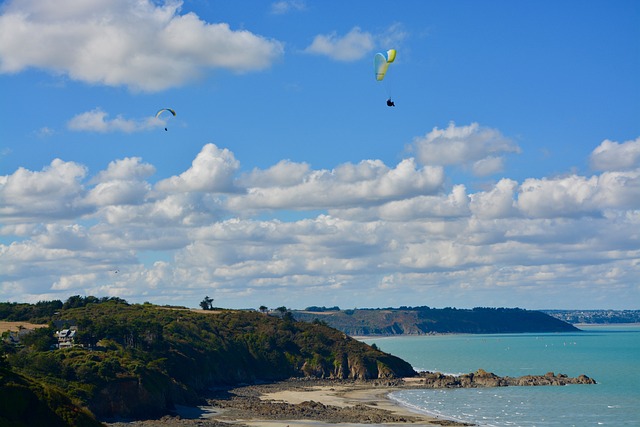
608,354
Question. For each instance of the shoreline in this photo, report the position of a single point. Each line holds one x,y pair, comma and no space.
341,403
300,403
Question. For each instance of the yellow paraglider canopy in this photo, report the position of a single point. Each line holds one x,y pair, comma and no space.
381,63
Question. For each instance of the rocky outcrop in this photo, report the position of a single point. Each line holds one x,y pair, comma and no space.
481,378
550,379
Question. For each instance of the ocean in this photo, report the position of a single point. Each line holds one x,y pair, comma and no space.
609,354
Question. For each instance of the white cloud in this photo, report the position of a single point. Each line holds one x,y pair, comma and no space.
172,210
352,46
469,146
285,6
497,203
97,120
213,170
392,37
129,168
618,190
612,156
54,192
369,182
284,174
488,166
453,205
576,195
118,193
122,183
59,236
132,43
389,235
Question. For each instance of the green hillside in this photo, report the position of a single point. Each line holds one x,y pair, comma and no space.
26,402
132,360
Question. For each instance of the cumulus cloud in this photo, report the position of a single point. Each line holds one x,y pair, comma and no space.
576,195
453,205
496,203
613,156
118,192
352,46
284,174
369,182
370,230
213,171
130,43
474,146
54,192
122,183
129,168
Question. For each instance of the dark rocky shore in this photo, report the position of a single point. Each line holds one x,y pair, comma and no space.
481,378
244,402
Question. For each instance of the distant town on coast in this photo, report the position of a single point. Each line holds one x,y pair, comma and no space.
595,316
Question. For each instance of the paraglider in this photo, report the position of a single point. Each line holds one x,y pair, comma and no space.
159,113
380,66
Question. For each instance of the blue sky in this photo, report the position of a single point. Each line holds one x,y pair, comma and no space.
508,174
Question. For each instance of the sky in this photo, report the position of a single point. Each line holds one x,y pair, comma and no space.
506,175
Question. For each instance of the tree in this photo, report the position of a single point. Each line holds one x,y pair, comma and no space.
39,339
207,303
288,317
263,309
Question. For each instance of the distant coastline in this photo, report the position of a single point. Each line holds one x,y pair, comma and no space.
606,325
431,321
594,317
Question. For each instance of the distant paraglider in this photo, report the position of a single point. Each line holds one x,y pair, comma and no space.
169,110
381,63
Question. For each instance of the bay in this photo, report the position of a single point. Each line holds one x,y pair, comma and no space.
610,354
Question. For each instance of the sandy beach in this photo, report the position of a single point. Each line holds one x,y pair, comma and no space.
362,398
301,404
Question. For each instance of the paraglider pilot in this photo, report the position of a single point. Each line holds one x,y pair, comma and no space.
390,103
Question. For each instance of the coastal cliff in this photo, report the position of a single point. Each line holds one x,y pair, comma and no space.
138,361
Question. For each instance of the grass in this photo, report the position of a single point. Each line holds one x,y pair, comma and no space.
16,326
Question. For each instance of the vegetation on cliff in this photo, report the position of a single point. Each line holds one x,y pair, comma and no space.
425,320
138,360
28,402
